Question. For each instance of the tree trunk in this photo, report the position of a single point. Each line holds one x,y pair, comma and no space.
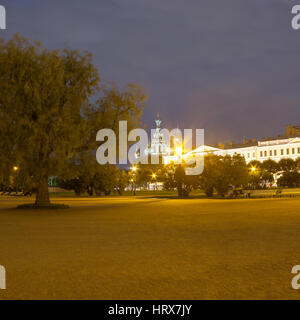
179,190
42,195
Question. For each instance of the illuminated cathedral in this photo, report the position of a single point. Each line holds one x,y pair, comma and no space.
158,145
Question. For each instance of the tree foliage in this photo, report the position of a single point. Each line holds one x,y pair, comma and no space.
287,164
43,93
47,121
221,173
290,179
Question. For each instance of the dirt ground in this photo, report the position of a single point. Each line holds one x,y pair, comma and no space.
127,248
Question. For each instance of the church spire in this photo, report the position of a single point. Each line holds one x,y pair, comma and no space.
158,121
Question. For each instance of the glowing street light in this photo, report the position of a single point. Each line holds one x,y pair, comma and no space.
133,171
154,178
15,168
253,169
178,150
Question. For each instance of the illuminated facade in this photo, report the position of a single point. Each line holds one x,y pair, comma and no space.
274,149
158,146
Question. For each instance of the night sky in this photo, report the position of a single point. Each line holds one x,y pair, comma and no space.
231,67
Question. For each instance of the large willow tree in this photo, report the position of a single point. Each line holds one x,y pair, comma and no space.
43,94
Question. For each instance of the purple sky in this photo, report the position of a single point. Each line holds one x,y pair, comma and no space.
231,67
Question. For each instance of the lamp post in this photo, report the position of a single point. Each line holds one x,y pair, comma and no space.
15,168
154,178
133,180
253,174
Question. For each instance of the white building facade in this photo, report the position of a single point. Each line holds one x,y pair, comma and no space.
264,150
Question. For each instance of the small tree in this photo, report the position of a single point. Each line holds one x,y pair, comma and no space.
168,179
105,179
297,164
287,164
221,173
77,184
122,181
289,179
270,166
261,174
179,178
208,177
184,183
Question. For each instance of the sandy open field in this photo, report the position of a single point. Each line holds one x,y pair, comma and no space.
126,248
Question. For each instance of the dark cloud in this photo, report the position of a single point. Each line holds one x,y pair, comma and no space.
230,66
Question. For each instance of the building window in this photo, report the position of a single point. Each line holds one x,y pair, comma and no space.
265,153
293,150
271,153
248,155
281,151
287,151
254,154
298,150
275,152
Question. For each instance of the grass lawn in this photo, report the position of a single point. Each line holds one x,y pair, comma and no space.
138,248
71,194
265,193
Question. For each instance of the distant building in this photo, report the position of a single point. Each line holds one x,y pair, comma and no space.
276,148
158,146
52,181
271,149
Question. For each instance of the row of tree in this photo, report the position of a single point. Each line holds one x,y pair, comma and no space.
222,174
286,170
